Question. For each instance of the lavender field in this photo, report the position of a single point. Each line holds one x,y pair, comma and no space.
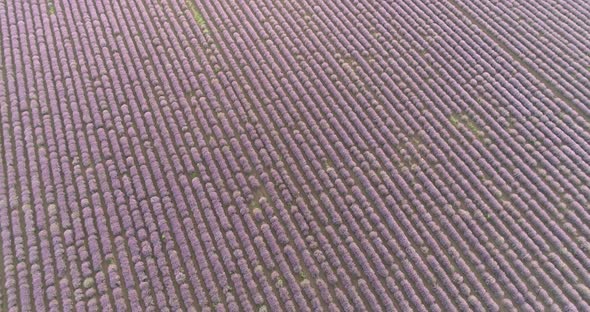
311,155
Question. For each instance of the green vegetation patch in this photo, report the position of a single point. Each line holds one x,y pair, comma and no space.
465,120
193,174
197,16
50,8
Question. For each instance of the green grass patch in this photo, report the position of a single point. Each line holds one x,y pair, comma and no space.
111,261
454,120
279,283
50,8
465,120
193,174
197,16
327,164
302,275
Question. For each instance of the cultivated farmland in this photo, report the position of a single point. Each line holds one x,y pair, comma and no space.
310,155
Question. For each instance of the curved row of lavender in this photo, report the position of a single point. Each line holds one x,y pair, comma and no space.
342,155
